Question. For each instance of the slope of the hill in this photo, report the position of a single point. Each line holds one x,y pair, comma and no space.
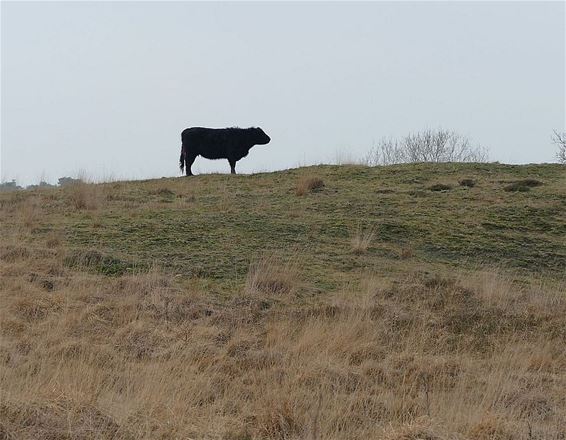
401,302
211,226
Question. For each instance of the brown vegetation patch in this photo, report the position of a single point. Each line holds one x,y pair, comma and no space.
84,195
361,240
389,360
11,254
470,183
34,308
440,187
164,192
308,184
522,185
270,275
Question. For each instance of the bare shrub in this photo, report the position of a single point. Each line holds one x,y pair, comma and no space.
308,184
361,240
560,140
427,146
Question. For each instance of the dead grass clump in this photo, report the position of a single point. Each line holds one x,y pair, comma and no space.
12,327
145,283
174,308
307,185
84,195
30,420
361,240
85,258
418,429
490,428
470,183
46,283
96,261
522,185
269,275
30,211
12,254
279,419
54,240
406,252
34,308
440,187
139,340
97,355
164,192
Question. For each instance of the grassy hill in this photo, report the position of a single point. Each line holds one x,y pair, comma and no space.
400,302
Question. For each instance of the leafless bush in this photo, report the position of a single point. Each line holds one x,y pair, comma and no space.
560,140
426,146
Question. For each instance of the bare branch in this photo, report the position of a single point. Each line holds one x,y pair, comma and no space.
560,140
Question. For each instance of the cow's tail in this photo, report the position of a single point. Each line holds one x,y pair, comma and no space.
182,159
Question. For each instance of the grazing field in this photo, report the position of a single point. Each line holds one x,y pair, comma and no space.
329,302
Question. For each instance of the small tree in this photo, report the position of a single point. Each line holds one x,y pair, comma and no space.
560,140
426,146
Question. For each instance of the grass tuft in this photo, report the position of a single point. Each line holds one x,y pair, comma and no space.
470,183
361,240
522,185
269,275
308,184
84,195
440,187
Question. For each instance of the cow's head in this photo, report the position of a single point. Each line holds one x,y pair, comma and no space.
259,136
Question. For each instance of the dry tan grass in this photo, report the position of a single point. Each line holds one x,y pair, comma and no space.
272,276
430,356
361,240
308,184
30,211
84,195
406,252
418,354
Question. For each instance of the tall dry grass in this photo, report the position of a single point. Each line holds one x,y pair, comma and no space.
270,274
361,239
308,184
83,195
145,355
433,356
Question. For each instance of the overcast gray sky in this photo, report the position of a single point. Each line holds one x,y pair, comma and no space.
108,87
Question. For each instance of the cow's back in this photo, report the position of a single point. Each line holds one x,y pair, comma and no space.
211,143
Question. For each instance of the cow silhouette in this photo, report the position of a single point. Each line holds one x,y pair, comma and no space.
219,143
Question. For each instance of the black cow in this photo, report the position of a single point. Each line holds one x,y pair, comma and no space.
219,143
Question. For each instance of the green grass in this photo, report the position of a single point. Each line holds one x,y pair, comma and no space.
214,226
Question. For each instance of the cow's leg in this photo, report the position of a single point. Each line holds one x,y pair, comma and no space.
232,166
189,160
